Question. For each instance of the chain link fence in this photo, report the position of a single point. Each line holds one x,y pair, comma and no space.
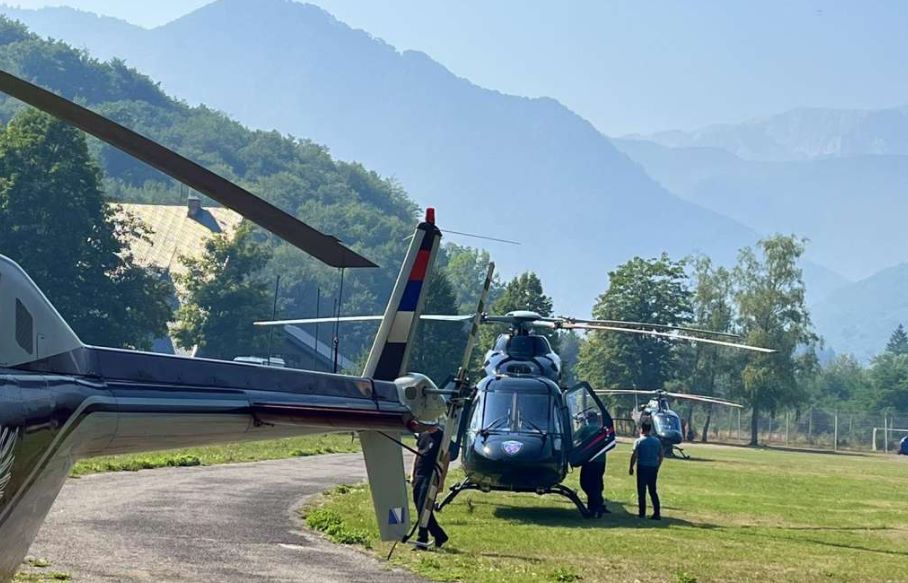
810,428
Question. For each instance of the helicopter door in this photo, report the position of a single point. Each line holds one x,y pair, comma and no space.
592,430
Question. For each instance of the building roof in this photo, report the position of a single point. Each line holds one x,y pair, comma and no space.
177,230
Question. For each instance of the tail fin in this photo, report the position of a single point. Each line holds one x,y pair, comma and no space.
391,349
388,361
35,330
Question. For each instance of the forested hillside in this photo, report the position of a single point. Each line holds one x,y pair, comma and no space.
371,214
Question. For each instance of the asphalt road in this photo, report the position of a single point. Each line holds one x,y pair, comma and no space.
231,523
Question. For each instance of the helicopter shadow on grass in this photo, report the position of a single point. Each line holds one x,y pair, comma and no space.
618,518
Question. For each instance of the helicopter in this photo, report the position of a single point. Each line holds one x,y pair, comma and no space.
519,428
62,400
666,423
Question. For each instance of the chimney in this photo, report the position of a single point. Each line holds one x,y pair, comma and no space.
194,206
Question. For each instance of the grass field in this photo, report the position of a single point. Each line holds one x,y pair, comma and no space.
252,451
731,514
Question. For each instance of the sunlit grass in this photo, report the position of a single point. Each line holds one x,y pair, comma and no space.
731,514
222,454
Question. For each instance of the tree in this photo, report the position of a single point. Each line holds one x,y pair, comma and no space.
898,342
641,290
56,223
221,296
466,269
713,309
524,292
438,346
888,383
773,314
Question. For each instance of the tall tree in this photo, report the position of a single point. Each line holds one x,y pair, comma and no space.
773,314
524,292
222,295
466,269
55,221
898,342
642,290
713,309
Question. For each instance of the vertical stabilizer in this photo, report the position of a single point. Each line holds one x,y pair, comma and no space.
31,329
391,350
388,361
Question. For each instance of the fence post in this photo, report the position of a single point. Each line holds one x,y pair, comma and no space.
885,435
835,432
738,434
770,428
787,421
810,425
873,447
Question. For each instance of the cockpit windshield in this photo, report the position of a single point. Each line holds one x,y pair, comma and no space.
664,423
523,347
517,411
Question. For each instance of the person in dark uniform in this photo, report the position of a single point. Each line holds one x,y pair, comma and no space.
592,475
428,443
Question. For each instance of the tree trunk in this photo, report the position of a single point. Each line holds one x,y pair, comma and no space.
709,415
754,426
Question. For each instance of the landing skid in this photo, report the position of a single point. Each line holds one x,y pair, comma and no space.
670,451
559,489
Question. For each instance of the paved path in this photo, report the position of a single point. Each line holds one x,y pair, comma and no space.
231,523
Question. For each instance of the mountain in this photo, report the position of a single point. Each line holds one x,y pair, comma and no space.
801,134
494,164
852,208
860,317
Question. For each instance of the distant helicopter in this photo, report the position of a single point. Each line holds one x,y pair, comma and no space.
519,428
665,422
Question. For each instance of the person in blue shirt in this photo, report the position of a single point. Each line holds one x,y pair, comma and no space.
647,456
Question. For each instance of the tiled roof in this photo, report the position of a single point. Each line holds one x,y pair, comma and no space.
175,233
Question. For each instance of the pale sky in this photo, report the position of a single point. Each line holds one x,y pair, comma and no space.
631,66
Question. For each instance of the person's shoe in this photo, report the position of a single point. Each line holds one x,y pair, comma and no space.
655,517
605,510
421,545
441,540
641,516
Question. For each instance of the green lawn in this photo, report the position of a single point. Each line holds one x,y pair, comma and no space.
252,451
731,514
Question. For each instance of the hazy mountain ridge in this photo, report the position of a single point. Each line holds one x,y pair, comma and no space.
860,317
851,208
801,134
526,169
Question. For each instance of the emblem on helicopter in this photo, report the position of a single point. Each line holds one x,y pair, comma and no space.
7,449
511,447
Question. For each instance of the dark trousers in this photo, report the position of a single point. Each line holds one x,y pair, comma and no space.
646,480
420,491
592,481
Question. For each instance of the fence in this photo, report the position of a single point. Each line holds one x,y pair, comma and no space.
814,428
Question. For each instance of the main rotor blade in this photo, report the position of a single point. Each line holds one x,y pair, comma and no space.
704,399
624,392
630,324
323,247
669,335
335,319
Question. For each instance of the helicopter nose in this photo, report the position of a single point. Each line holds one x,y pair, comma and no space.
508,448
672,436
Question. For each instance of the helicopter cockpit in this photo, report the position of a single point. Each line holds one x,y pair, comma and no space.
515,410
523,354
